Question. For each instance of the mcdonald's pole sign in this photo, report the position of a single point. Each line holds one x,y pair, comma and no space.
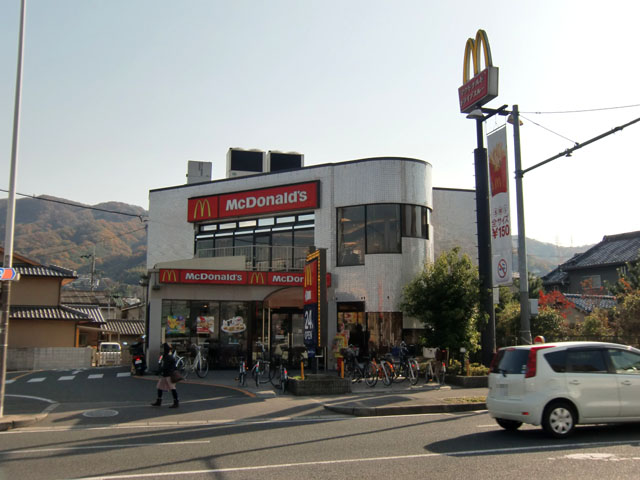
315,300
483,87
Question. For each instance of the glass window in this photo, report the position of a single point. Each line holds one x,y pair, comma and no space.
625,361
223,246
415,221
351,235
557,360
266,221
586,361
511,361
286,220
383,228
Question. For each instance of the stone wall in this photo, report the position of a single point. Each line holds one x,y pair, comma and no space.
48,358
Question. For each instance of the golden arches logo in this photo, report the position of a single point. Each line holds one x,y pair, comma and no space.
202,204
472,51
258,278
168,276
308,276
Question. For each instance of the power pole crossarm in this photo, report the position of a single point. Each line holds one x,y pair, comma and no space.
569,151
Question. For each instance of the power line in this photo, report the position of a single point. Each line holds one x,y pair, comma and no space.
548,129
584,110
86,207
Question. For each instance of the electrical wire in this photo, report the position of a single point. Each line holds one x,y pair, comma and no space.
587,110
548,129
86,207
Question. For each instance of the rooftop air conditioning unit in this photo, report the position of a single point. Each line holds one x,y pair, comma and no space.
245,162
281,161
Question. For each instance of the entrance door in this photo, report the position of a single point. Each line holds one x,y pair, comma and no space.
287,333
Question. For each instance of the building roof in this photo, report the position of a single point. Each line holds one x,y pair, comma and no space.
125,327
612,250
587,303
45,271
38,312
91,311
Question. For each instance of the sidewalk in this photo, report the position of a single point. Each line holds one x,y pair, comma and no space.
396,399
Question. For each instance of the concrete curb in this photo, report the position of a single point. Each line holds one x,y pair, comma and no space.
359,411
9,422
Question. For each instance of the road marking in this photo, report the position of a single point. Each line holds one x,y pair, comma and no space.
124,374
190,473
36,380
66,378
96,375
6,382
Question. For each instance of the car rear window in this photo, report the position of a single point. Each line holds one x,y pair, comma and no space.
511,361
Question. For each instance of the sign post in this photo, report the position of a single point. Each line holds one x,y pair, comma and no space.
315,304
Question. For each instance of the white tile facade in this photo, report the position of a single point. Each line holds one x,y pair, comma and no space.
378,282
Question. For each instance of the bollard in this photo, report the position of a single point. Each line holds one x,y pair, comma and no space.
302,370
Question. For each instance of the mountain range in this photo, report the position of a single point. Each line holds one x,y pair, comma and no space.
108,241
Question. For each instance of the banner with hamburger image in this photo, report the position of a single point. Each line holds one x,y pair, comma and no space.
500,217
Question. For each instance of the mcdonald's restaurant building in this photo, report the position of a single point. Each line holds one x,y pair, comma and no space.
226,257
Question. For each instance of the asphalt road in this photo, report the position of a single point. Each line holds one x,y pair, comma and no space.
227,434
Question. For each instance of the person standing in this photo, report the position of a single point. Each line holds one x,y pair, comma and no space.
167,367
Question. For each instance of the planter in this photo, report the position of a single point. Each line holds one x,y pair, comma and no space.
319,385
467,382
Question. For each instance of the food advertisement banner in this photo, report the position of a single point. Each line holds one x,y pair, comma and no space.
500,216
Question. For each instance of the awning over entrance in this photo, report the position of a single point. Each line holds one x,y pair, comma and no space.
286,297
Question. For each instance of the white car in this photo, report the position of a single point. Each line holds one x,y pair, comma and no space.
559,385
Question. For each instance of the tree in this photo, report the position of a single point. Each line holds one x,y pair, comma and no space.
445,296
629,278
596,326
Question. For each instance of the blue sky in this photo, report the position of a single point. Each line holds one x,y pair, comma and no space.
118,95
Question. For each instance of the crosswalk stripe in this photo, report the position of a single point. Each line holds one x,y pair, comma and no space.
66,378
96,375
9,381
124,374
36,380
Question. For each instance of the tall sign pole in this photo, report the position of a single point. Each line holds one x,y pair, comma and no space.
315,304
10,221
474,93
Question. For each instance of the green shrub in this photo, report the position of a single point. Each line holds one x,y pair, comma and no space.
455,368
478,370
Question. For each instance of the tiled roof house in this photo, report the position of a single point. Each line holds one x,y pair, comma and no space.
591,271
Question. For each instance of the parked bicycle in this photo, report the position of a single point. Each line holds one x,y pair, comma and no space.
357,370
199,364
279,376
242,373
405,367
382,371
261,370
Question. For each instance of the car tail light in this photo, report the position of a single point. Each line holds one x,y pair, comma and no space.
494,361
532,361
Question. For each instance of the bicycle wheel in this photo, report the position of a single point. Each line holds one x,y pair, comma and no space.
255,373
264,375
274,376
180,366
284,376
414,371
370,374
202,367
387,373
356,373
242,377
401,372
187,368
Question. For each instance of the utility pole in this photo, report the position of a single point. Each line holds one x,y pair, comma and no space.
93,266
11,216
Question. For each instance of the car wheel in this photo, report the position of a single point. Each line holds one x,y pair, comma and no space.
510,425
559,419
